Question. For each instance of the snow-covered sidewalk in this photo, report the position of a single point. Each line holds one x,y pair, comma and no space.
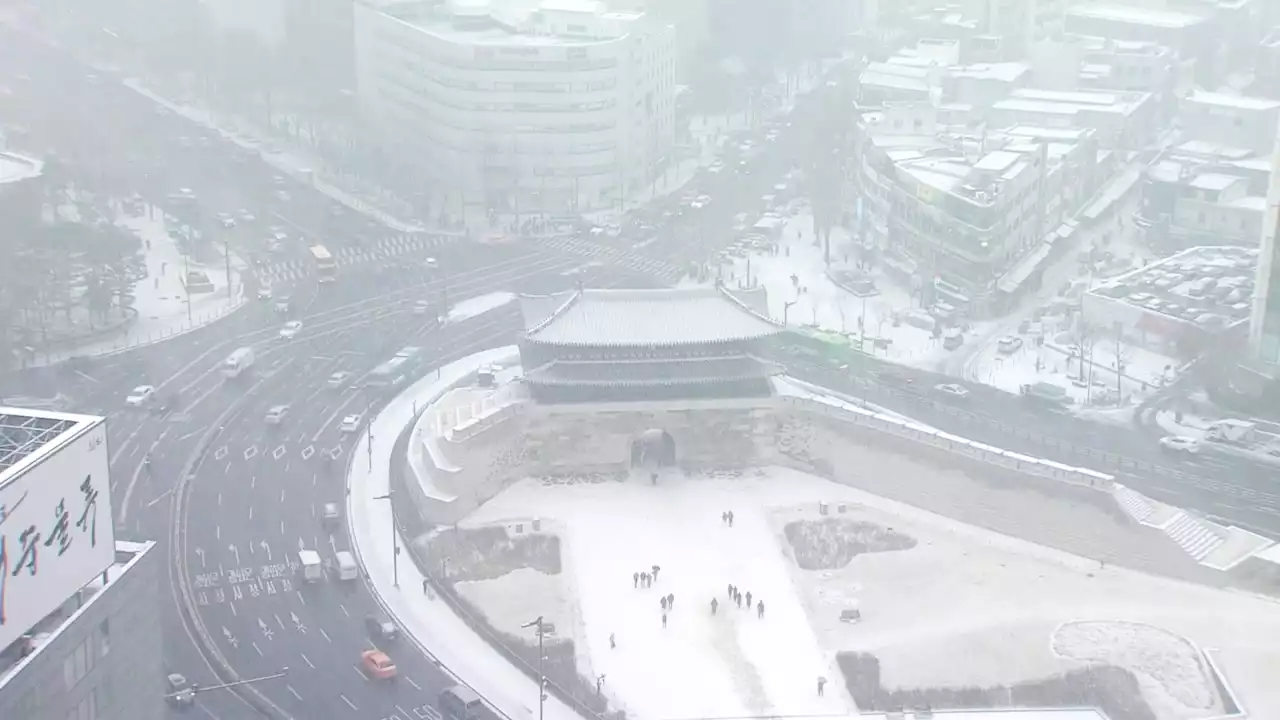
431,622
165,310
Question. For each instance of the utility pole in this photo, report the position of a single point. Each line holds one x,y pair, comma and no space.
395,542
226,251
540,628
189,694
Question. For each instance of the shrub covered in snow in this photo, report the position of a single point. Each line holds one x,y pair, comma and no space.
490,552
831,543
1168,659
1113,690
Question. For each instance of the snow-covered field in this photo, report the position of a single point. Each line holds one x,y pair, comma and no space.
942,604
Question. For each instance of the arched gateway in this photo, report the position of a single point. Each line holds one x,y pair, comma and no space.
654,448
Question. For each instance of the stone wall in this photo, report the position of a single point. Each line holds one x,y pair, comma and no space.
526,439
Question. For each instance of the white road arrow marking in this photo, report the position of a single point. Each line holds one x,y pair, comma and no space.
266,549
231,639
200,554
279,452
235,551
266,631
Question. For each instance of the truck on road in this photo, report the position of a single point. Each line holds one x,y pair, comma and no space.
312,568
237,362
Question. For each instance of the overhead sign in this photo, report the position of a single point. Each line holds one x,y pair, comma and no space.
56,532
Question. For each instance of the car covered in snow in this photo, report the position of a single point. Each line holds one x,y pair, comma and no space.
1009,344
952,391
350,423
1180,444
140,396
291,329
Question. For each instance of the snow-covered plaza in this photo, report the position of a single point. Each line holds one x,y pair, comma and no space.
941,604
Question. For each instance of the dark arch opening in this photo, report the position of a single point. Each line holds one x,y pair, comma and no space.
654,447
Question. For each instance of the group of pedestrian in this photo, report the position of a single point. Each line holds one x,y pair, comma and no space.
726,518
645,578
738,597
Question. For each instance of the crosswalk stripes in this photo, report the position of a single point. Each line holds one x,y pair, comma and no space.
626,259
385,249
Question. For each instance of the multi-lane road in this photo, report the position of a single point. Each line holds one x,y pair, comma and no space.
242,496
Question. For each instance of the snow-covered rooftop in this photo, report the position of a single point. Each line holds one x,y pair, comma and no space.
15,167
643,318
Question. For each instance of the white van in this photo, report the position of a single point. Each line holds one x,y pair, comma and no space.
347,569
237,362
312,568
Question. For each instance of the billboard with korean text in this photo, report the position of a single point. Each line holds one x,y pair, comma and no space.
56,531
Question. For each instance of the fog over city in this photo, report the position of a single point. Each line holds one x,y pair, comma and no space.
909,359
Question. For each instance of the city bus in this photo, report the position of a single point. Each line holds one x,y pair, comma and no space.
390,374
326,266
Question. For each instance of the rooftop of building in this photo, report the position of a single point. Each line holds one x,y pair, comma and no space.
1189,162
1000,714
1241,102
633,373
967,164
15,167
1133,15
512,22
28,436
1208,286
1061,103
25,651
646,318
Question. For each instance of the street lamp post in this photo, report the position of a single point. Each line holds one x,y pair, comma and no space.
540,627
195,689
395,542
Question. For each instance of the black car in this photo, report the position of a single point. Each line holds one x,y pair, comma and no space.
380,628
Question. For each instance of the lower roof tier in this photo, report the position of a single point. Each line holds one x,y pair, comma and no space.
692,371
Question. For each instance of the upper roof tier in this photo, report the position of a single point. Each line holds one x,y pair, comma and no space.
646,318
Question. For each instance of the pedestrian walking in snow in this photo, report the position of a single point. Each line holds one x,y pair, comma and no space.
731,589
664,621
644,579
663,602
426,586
655,573
730,514
715,605
653,478
760,609
671,601
724,518
748,598
613,642
635,579
738,599
822,682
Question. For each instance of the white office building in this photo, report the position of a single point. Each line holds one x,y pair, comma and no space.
531,107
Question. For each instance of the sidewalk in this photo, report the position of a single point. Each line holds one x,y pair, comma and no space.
161,299
430,621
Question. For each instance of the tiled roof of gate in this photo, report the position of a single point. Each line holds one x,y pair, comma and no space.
641,318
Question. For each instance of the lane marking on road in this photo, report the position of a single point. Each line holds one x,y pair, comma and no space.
251,517
303,600
293,692
348,702
343,608
307,452
281,494
232,605
253,481
255,647
326,635
360,673
160,497
307,660
279,452
251,452
415,685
